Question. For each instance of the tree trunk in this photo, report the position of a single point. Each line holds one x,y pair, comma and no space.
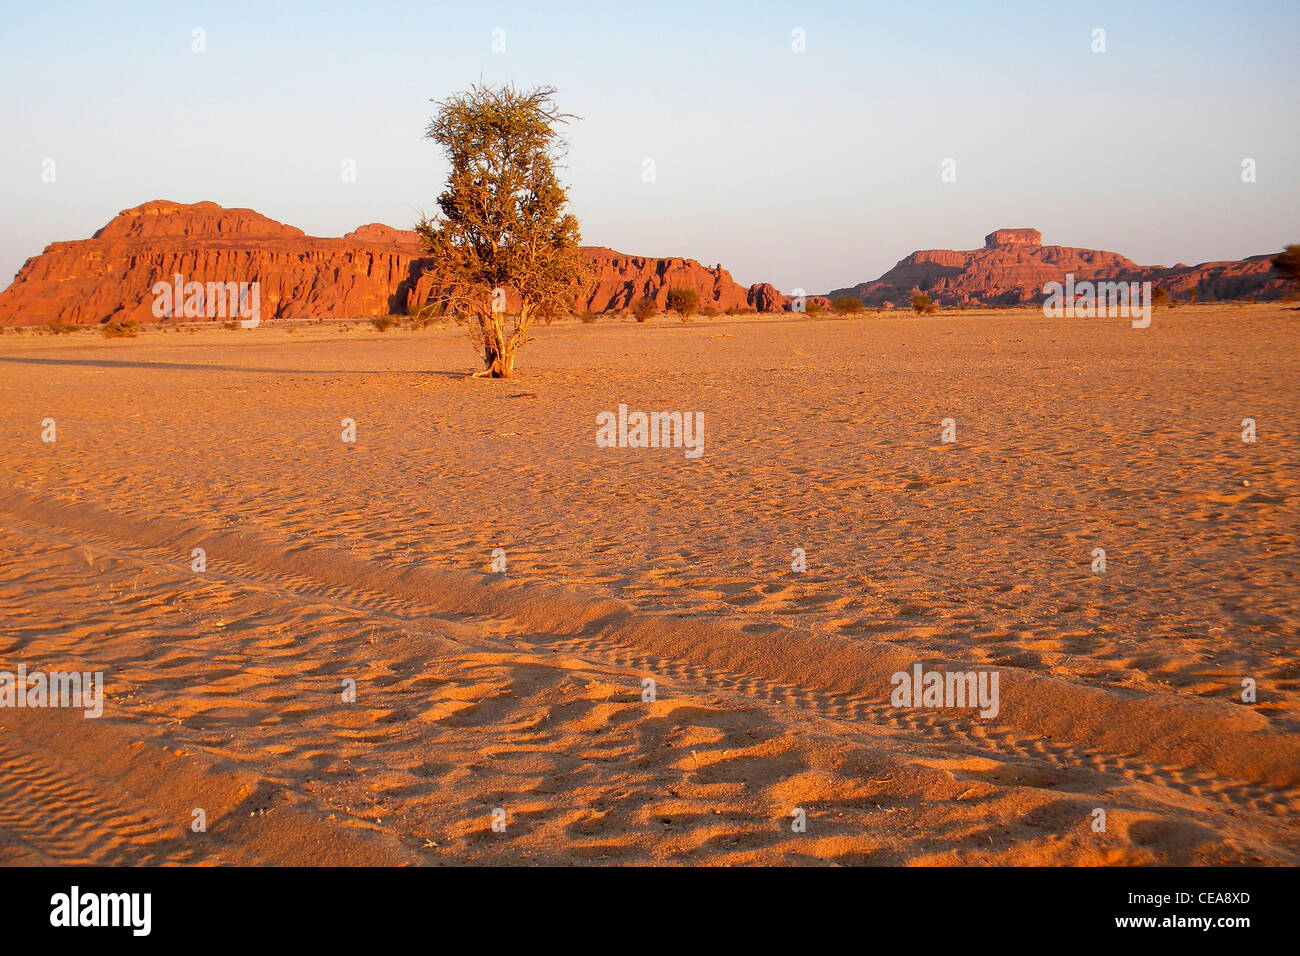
498,364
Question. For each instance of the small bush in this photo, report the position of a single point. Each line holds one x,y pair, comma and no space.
735,310
683,301
710,312
57,327
921,303
125,329
385,322
587,317
643,308
1159,297
1287,262
422,319
848,303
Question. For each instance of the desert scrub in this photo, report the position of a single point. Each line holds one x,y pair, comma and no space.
643,308
385,322
125,329
683,301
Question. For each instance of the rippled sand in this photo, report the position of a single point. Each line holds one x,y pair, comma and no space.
523,691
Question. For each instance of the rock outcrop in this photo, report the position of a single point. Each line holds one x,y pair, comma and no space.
764,297
378,270
1014,265
111,276
1013,237
374,270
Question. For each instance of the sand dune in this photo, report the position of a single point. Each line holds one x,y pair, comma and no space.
523,691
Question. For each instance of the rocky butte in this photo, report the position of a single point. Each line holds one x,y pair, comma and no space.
1013,266
378,270
375,270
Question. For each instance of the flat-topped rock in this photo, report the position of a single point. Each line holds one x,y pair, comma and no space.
1013,237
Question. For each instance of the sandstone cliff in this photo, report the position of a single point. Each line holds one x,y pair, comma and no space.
378,270
374,270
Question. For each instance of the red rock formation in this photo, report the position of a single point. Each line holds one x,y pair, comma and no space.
377,233
1013,237
764,297
111,276
379,270
1014,266
375,270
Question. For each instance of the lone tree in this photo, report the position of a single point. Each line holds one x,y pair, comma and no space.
683,301
1287,262
503,236
921,303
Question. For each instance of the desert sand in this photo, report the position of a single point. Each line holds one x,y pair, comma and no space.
522,690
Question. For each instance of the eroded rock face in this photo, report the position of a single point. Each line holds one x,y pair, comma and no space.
764,297
379,270
1014,265
374,270
111,276
618,280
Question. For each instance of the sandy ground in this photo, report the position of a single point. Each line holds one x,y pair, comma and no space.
523,691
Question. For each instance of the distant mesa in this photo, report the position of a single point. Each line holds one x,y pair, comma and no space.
379,270
1013,266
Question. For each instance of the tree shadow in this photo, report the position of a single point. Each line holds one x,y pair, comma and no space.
200,367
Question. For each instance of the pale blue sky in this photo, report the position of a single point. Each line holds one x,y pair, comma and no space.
812,170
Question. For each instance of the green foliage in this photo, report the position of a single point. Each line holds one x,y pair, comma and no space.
503,234
1287,262
683,301
848,303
